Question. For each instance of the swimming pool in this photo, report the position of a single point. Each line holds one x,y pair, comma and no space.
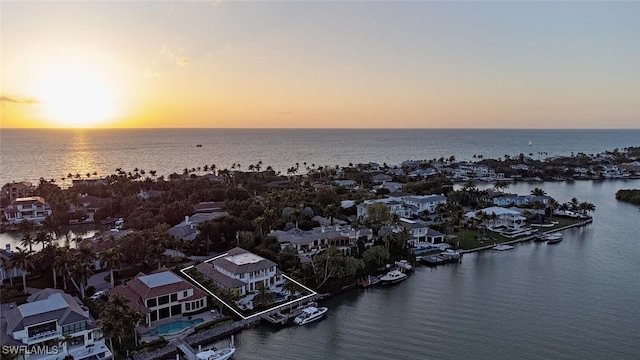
173,327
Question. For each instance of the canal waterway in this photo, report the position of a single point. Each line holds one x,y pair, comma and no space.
573,300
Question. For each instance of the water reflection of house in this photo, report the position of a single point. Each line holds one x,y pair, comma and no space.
161,294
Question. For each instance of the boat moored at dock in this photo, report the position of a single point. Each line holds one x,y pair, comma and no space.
217,354
310,314
553,238
393,276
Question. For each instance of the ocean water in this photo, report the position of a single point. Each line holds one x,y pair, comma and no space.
52,154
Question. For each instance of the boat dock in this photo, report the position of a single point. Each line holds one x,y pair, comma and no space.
285,313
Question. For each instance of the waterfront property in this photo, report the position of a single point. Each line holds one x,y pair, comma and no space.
310,242
54,320
33,208
160,295
241,270
405,206
14,190
497,217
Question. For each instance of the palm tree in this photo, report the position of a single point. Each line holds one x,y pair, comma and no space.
552,205
501,185
80,272
25,227
538,192
47,258
264,295
21,259
586,207
110,259
28,240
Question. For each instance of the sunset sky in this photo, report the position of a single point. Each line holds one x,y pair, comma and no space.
507,64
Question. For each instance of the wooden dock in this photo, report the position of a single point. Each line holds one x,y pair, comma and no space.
285,313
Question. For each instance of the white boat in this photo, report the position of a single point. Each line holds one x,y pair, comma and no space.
404,264
553,238
217,354
393,276
310,314
502,247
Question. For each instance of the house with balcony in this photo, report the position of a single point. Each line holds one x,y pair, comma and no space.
241,270
310,242
14,190
496,217
32,208
161,295
51,325
405,206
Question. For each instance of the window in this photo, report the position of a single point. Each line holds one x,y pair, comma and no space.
188,306
184,294
176,310
163,300
174,297
152,302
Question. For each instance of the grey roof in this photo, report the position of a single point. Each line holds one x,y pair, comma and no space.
46,305
426,199
434,233
240,267
219,278
160,279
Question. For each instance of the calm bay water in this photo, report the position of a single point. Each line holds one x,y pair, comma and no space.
573,300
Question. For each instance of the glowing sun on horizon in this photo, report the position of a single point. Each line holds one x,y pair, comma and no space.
77,98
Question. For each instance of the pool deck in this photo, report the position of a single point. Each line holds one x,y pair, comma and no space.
206,316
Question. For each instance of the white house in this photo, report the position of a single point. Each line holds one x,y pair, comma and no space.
32,208
405,206
496,217
161,294
312,241
46,319
241,270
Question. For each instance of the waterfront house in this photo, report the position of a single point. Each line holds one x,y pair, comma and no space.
499,217
32,208
241,270
90,182
421,233
56,324
518,200
422,173
14,190
160,295
405,206
310,242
